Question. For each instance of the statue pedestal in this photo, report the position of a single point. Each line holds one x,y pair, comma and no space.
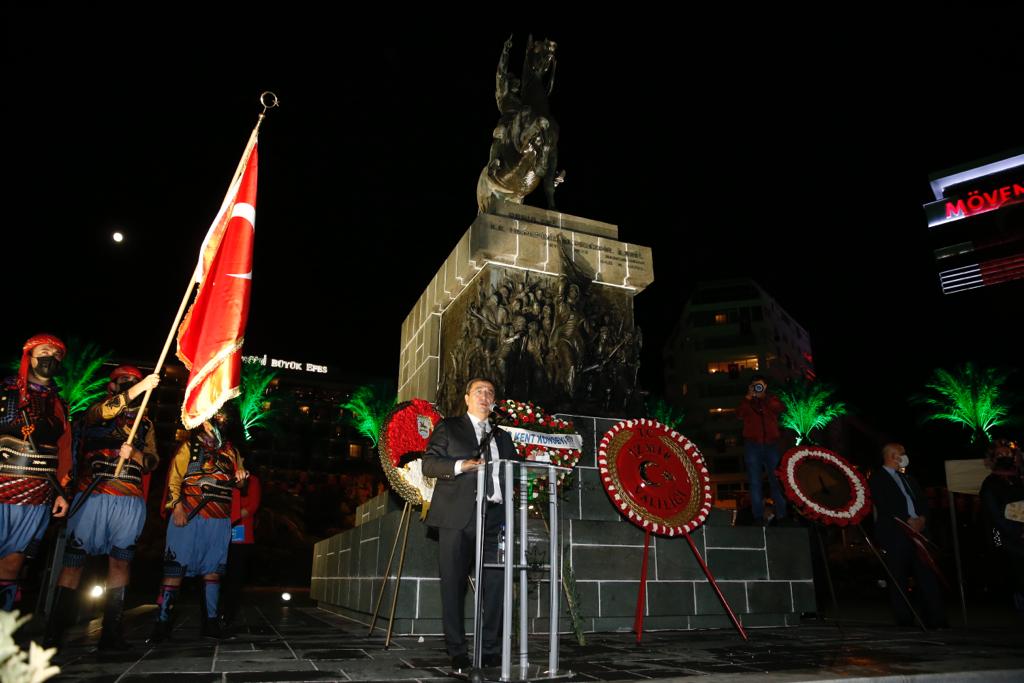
540,301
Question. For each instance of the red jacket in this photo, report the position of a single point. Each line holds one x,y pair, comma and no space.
761,418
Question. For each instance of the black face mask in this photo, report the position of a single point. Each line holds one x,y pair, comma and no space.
47,366
1004,464
126,384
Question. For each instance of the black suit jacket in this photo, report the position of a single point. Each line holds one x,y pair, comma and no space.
454,500
890,502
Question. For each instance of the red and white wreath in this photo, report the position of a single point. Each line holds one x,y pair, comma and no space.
540,437
824,486
655,476
403,438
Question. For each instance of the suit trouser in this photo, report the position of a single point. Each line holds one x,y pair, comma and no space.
457,561
903,562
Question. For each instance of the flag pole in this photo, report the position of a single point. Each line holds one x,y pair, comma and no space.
159,365
269,101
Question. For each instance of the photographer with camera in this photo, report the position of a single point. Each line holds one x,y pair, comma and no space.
760,412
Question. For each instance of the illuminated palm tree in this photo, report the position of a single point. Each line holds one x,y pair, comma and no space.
970,396
253,407
369,406
665,413
809,406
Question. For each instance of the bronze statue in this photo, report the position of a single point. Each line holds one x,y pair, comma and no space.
524,149
556,340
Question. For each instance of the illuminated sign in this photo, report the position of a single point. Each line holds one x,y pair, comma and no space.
976,202
286,364
939,185
982,274
985,250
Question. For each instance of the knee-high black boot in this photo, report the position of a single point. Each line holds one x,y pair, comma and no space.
62,615
112,637
209,600
165,614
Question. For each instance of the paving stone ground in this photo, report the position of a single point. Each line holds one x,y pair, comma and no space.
300,642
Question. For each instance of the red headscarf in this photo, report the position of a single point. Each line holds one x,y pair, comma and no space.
122,371
26,354
125,371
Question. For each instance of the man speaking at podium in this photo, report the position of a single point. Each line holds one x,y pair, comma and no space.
453,455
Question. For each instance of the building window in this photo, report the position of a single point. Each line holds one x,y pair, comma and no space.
732,366
715,414
355,451
721,318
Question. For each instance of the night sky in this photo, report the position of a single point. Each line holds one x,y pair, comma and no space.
730,147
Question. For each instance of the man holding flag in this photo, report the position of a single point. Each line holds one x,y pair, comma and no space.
108,512
210,339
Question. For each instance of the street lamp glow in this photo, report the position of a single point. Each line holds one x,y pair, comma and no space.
96,591
118,237
286,596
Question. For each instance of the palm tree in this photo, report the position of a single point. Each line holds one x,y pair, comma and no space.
369,406
969,396
253,408
665,413
82,381
809,406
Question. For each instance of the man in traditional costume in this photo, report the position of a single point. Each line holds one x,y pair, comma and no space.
200,482
35,458
109,510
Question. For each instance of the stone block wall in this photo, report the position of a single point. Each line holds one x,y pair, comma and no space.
764,573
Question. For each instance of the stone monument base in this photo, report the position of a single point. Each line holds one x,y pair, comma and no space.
764,573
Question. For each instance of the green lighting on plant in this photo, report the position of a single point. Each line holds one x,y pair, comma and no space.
256,377
665,413
969,396
808,407
370,406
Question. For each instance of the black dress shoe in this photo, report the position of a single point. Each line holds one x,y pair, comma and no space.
113,641
461,662
491,660
161,632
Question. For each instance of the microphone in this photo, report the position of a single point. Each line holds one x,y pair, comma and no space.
494,417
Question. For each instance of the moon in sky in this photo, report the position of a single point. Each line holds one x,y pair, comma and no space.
118,237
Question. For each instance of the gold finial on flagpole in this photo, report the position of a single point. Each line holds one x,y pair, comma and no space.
269,100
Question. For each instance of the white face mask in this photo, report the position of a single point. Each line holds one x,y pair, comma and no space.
904,461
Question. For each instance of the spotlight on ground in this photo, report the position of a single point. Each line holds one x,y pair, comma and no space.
96,591
286,596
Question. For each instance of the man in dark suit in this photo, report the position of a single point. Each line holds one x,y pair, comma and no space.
453,455
898,496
